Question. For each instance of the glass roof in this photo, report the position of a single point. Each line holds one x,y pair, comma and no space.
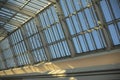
30,5
14,13
1,23
10,27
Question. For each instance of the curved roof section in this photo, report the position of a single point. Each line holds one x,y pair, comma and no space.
14,13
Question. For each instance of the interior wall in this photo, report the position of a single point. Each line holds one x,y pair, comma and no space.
105,65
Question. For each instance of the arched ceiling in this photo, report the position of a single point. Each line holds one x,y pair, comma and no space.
14,13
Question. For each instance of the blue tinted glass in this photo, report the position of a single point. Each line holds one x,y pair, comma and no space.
116,8
105,10
114,35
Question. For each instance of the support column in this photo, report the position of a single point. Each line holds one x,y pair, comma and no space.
96,4
27,44
43,38
65,28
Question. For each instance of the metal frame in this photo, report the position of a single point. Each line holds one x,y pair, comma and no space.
13,52
103,24
50,45
42,38
64,26
14,19
2,60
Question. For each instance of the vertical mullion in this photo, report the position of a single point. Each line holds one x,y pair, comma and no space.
53,34
27,45
16,54
95,22
38,56
37,35
57,30
42,36
34,34
13,52
80,26
87,25
3,59
20,54
65,28
41,54
13,38
19,43
49,35
72,22
35,56
16,40
100,32
31,47
113,18
16,44
34,43
105,32
15,49
48,27
24,52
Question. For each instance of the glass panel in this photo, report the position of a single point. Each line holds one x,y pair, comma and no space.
19,47
114,34
53,33
111,12
80,19
6,54
34,39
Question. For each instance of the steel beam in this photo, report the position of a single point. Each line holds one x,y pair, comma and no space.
53,1
65,28
25,4
17,9
2,28
12,22
3,34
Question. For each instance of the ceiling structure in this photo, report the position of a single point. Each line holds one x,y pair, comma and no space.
14,13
